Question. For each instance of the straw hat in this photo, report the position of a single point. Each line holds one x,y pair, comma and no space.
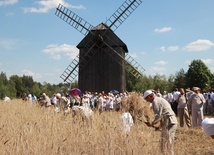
196,88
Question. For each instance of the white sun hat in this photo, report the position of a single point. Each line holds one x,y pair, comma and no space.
147,93
58,95
208,126
196,88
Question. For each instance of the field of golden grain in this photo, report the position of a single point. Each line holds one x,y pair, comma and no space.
29,129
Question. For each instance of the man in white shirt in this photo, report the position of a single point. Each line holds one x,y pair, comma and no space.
197,100
164,114
175,103
183,109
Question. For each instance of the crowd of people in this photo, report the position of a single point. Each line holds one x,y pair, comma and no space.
182,104
186,102
84,102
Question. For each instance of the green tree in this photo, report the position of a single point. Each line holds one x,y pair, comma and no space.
3,78
28,83
3,85
2,90
211,85
199,75
36,89
11,89
19,86
180,79
130,81
160,82
170,83
147,83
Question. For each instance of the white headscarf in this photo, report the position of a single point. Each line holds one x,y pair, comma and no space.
127,121
208,126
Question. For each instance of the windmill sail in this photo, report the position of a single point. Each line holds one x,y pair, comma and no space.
72,19
122,13
99,38
133,66
71,72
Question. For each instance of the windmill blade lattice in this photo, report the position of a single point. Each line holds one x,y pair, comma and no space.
133,66
71,72
72,19
122,13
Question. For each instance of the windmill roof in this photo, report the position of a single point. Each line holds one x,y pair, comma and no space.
101,26
107,35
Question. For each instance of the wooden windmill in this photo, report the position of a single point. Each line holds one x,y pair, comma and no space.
103,58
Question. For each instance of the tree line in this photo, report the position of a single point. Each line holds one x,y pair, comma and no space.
198,75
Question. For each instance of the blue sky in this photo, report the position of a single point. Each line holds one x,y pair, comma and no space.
162,36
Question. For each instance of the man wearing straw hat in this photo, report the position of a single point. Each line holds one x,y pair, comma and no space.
197,100
165,115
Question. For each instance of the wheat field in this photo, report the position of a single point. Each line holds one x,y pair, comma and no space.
27,129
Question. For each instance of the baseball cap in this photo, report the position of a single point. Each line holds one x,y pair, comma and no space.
147,93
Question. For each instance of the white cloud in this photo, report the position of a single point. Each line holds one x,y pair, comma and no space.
170,48
173,48
133,55
161,62
164,29
43,77
212,69
30,73
188,62
153,70
163,48
208,61
158,68
46,5
8,44
199,45
55,51
8,2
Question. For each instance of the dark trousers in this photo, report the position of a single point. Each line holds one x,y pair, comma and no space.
175,108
